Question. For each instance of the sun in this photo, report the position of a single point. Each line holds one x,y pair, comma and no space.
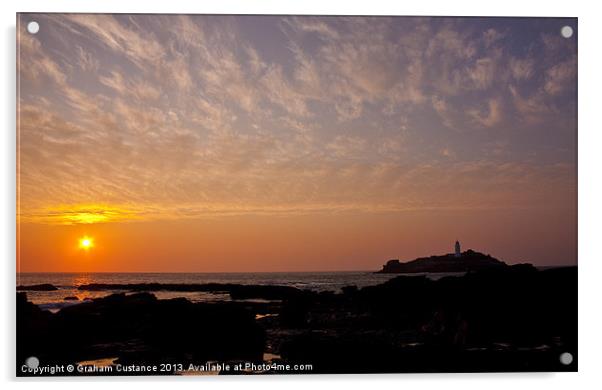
86,242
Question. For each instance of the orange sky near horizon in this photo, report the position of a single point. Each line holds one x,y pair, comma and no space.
296,243
207,143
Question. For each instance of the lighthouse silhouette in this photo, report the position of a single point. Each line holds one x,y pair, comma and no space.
458,251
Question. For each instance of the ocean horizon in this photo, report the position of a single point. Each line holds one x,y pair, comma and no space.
67,283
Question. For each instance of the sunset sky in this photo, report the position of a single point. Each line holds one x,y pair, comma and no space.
282,143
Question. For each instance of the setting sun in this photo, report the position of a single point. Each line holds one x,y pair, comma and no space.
86,243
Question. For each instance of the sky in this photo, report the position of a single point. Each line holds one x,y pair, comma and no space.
197,143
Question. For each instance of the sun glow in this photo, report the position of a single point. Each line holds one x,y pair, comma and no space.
80,214
86,243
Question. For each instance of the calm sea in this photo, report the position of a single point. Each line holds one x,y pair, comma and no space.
67,283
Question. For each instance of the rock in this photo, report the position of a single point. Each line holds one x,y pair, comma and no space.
370,352
513,318
37,287
488,320
33,329
236,291
151,329
264,292
294,312
349,290
71,299
468,261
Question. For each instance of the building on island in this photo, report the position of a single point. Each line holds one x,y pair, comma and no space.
458,252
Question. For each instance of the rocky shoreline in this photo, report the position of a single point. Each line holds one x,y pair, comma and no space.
515,318
38,287
236,291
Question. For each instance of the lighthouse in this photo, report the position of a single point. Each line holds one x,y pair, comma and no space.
458,252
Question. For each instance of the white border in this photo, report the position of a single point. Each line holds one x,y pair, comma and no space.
590,194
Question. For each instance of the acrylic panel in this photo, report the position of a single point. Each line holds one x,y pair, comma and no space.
280,194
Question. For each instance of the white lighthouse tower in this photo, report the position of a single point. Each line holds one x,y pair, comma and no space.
458,251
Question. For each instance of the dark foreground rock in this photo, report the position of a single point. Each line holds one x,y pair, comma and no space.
468,261
37,287
513,318
138,329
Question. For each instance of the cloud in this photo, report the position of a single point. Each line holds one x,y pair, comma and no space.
522,69
448,42
141,49
560,76
357,66
491,36
533,108
86,60
447,152
491,117
441,108
482,73
312,25
156,117
347,147
81,214
280,92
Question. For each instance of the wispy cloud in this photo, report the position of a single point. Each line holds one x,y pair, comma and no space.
161,116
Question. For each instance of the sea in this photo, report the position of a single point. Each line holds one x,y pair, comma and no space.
67,283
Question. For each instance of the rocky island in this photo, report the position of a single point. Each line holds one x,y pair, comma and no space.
452,262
